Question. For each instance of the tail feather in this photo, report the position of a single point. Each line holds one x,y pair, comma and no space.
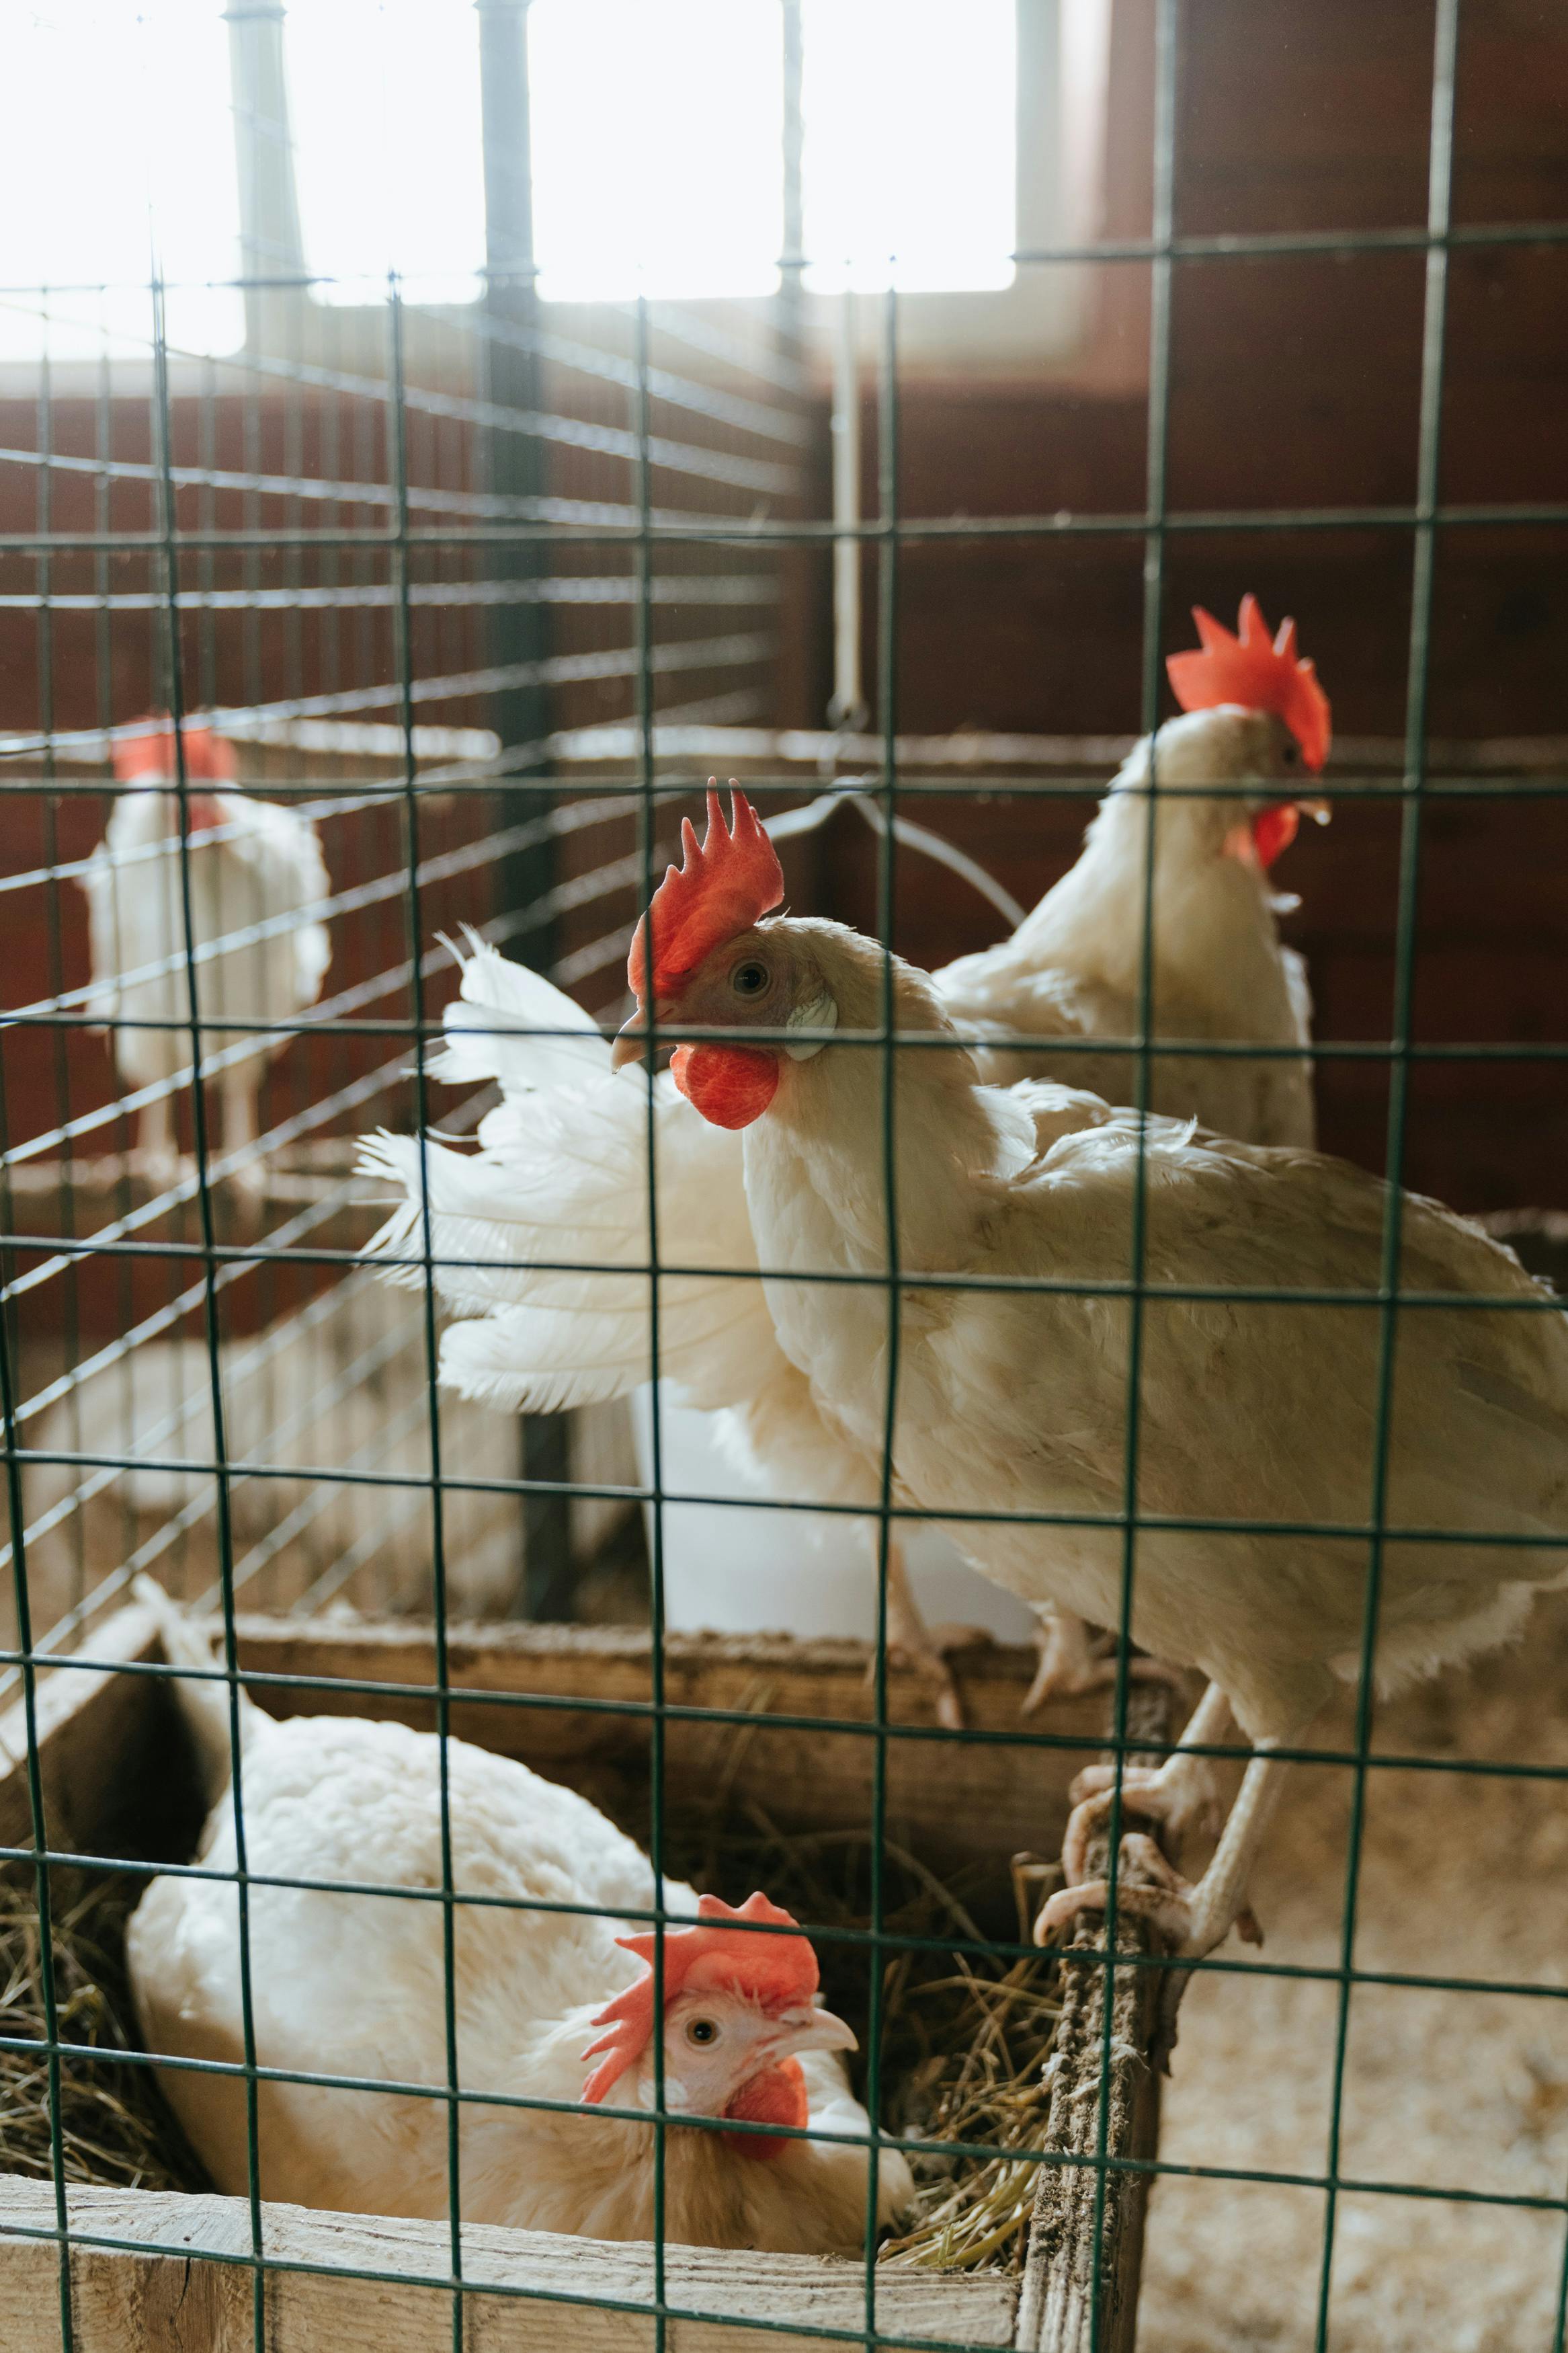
515,1026
203,1704
542,1237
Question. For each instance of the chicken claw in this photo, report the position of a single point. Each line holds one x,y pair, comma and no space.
1182,1794
1149,1888
1193,1917
1071,1663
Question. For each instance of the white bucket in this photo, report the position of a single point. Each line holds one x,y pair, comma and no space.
733,1571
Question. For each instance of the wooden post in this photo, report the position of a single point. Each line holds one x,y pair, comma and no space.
1056,2310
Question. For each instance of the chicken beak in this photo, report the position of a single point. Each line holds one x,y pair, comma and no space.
631,1042
1321,812
814,2030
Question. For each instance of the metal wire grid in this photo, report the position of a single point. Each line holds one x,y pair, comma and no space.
646,530
478,827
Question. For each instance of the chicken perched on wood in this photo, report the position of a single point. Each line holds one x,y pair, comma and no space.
1012,1262
562,1174
354,1986
255,872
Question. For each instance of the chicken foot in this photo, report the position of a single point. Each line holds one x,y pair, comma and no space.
1182,1792
1194,1917
1069,1664
912,1643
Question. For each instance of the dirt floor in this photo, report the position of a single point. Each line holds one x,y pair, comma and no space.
1462,1876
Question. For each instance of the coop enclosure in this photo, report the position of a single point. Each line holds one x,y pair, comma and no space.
483,424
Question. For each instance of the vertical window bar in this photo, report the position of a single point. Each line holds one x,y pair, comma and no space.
886,850
1440,171
1167,32
414,933
168,527
518,637
646,821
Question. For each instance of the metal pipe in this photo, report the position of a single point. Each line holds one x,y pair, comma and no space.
848,708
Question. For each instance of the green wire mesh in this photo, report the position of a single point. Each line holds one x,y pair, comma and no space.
647,534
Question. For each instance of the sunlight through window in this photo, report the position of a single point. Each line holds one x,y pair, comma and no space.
657,137
658,146
384,99
118,147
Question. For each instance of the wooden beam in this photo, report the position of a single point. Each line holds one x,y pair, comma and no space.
185,2286
93,1729
958,1800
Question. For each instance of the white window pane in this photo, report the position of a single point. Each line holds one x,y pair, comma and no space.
911,166
657,140
383,102
119,138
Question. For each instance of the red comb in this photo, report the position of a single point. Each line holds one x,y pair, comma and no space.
151,753
1260,673
723,885
779,1971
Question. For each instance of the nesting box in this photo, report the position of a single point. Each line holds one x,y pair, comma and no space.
792,1726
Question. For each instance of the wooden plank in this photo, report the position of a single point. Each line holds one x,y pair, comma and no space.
94,1733
1056,2310
178,2295
986,1797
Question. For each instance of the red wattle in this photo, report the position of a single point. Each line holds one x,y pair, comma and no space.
730,1085
1275,830
777,2096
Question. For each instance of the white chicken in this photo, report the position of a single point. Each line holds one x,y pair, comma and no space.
354,1986
1260,1485
562,1174
256,871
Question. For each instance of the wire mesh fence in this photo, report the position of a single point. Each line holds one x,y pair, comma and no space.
361,676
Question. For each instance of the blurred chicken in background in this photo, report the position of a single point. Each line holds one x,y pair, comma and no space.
326,1433
254,870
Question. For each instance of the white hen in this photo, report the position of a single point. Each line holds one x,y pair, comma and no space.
1259,1474
561,1182
255,872
354,1985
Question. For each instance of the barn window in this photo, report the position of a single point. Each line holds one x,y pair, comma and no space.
384,108
656,137
657,132
118,151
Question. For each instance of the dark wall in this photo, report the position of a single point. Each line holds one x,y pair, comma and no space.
1295,382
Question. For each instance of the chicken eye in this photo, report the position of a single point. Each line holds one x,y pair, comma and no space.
749,979
1289,755
702,2031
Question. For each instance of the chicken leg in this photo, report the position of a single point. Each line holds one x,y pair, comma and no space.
915,1644
1194,1918
157,1156
247,1172
1069,1665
